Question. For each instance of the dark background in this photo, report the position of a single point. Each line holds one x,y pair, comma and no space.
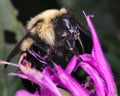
14,15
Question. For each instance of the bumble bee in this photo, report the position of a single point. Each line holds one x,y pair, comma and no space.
49,34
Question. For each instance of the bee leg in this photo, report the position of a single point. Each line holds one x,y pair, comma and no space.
79,39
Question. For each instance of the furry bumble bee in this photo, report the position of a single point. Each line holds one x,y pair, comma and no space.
50,34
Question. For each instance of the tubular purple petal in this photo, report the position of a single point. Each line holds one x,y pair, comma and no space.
98,81
71,65
21,75
52,88
45,83
25,93
99,57
70,83
48,87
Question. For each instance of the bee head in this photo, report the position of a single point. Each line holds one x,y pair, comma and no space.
67,27
55,26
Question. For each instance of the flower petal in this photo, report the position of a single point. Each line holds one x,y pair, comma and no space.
70,83
24,93
103,66
98,81
46,84
71,65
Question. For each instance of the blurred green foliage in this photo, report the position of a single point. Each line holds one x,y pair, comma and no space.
106,21
8,21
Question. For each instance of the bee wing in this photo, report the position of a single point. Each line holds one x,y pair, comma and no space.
16,50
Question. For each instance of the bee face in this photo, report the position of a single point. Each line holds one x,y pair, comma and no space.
66,27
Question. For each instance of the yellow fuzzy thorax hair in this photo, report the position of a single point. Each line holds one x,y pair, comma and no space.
45,28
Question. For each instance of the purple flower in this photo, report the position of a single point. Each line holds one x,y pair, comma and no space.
49,80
